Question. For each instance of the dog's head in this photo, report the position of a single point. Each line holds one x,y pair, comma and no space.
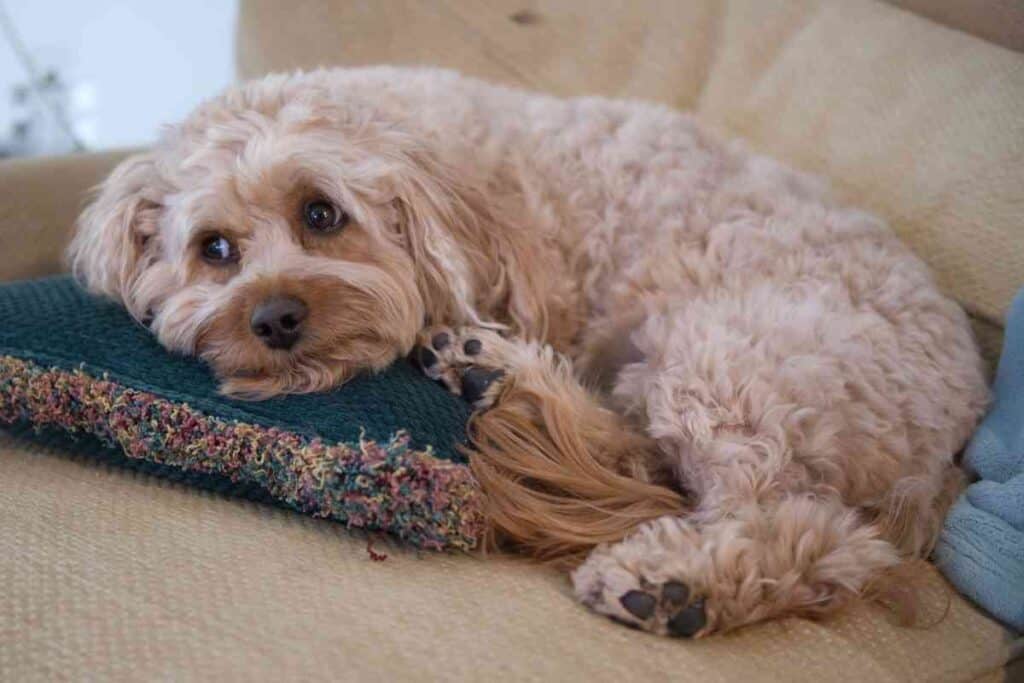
286,236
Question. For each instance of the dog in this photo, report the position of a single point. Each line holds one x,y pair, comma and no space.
714,392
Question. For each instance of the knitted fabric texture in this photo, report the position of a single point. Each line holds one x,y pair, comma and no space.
379,453
981,549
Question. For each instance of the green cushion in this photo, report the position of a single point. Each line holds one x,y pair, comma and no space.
381,452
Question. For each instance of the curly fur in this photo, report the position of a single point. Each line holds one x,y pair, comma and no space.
788,384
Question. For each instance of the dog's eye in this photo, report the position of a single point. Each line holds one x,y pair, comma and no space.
218,250
321,216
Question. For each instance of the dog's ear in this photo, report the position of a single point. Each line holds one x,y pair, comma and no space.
116,236
473,257
440,230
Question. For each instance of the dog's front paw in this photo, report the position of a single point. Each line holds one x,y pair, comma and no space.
470,362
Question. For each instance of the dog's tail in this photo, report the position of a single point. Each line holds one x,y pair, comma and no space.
560,473
912,522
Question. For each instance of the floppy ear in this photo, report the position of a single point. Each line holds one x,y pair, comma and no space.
439,228
473,255
116,236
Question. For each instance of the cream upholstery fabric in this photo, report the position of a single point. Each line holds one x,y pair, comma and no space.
915,121
997,21
39,200
113,576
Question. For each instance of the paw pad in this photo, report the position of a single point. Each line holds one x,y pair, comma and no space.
476,381
665,605
675,592
641,605
468,361
425,357
687,622
440,341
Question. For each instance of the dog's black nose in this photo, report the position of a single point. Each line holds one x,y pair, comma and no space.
278,321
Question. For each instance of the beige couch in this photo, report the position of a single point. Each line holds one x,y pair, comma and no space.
116,576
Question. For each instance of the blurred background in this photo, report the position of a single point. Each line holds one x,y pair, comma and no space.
106,73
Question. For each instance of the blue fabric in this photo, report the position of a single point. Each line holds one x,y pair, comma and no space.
981,549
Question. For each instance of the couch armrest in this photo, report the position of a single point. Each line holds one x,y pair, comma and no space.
39,201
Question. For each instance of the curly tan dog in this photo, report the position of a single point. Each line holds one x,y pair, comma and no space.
740,398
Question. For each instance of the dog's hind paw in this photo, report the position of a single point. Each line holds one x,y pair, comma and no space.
469,361
628,583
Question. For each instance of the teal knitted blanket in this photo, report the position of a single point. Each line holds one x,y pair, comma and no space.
381,452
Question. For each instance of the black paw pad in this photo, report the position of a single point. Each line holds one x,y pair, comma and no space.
440,341
472,347
689,621
675,593
641,605
475,382
425,357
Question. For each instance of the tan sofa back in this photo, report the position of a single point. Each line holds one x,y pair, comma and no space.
997,21
916,121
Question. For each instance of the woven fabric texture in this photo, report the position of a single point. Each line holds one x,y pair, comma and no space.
125,577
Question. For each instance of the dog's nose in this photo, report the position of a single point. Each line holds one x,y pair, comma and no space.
278,321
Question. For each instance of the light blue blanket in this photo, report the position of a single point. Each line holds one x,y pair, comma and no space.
981,549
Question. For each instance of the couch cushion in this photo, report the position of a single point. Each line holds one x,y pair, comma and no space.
911,119
39,201
120,576
997,21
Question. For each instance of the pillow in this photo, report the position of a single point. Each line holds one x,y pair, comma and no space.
379,453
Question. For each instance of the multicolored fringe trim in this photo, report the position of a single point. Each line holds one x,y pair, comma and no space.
430,502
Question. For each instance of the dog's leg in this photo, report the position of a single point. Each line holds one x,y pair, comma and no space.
783,428
560,472
673,576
